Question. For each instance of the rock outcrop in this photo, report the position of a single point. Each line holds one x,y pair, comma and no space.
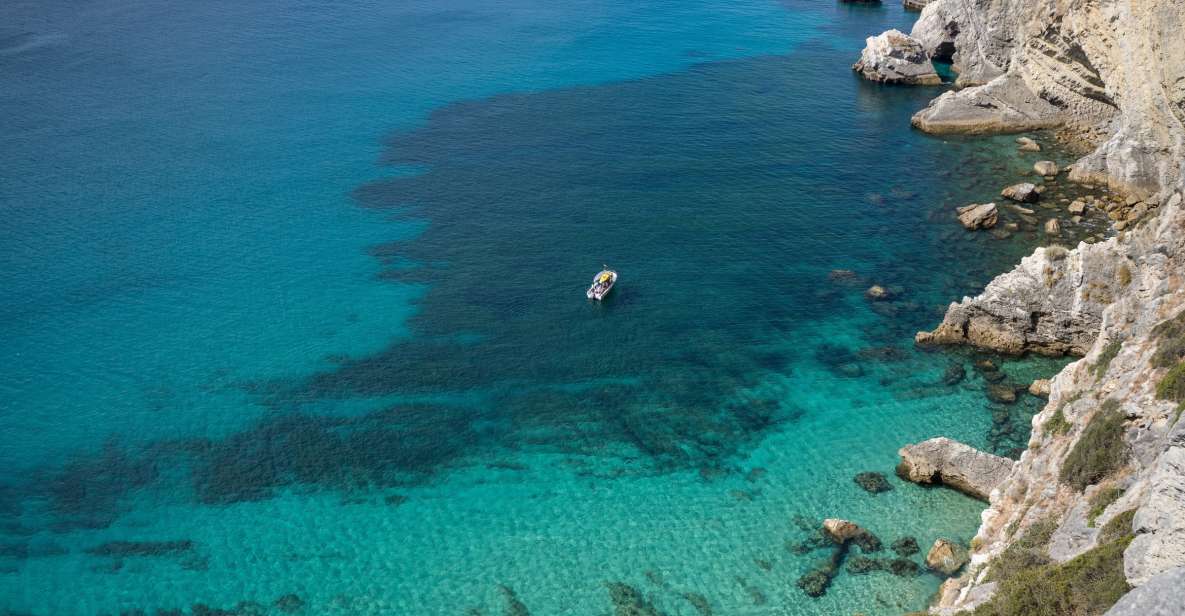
978,216
1110,71
951,463
1163,595
895,57
1052,304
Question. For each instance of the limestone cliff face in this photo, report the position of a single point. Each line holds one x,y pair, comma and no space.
1112,71
1117,367
1052,303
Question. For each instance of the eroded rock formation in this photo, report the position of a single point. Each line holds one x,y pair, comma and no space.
951,463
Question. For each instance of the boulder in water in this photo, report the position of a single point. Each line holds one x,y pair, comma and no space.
1040,388
945,461
1045,167
978,216
1026,144
841,531
1025,192
946,557
896,57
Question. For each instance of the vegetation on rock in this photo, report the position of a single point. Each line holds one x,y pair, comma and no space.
1119,526
1105,356
1025,553
1100,450
1085,586
1057,424
1171,386
1100,501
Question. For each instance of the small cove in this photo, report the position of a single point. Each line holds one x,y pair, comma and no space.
504,442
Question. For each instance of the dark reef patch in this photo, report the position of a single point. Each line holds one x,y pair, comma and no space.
390,447
123,549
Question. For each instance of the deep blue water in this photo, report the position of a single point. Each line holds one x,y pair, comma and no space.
294,306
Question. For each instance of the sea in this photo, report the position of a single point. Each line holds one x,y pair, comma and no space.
293,318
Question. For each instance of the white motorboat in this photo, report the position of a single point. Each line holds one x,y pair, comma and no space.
602,283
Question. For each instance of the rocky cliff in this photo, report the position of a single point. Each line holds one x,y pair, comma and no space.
1108,449
1112,72
1094,510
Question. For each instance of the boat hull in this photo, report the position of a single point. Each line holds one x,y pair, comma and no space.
600,288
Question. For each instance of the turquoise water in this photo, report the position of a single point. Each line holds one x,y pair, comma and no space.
294,304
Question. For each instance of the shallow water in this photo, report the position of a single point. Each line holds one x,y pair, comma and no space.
379,388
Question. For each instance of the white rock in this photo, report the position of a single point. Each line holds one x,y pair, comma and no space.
895,57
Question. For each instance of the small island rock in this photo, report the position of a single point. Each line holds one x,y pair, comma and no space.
895,57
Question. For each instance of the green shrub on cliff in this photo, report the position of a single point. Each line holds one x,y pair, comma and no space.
1120,526
1105,356
1100,501
1172,385
1100,450
1085,586
1170,342
1025,552
1057,424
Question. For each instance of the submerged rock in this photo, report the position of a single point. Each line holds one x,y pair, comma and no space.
1025,192
905,546
903,567
895,57
628,601
878,293
954,464
954,374
872,482
290,603
1001,394
1053,227
946,557
978,216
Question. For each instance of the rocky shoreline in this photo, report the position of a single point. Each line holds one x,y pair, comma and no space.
1092,515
